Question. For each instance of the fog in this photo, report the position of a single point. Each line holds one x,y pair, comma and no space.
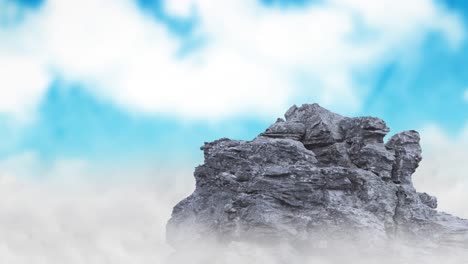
89,222
82,220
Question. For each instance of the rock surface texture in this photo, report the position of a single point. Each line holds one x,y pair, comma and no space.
313,176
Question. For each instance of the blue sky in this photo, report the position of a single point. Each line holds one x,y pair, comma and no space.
82,103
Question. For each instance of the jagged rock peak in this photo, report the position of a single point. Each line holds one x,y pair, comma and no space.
350,142
316,126
322,127
313,176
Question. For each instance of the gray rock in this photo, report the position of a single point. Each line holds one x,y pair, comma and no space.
367,129
407,155
367,150
373,157
322,127
281,129
336,154
428,200
314,177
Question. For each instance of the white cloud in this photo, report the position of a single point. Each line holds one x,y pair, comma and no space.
249,64
69,212
82,224
443,170
465,95
23,82
182,8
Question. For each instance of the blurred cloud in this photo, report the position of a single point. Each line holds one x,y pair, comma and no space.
24,81
442,171
465,95
251,58
84,222
68,212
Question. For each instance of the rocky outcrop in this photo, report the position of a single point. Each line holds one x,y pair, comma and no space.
314,176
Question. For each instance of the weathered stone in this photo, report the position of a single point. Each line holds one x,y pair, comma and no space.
281,129
316,176
367,129
373,157
407,155
321,126
336,154
367,151
428,200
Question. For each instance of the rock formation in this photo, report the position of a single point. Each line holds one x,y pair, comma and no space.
313,176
